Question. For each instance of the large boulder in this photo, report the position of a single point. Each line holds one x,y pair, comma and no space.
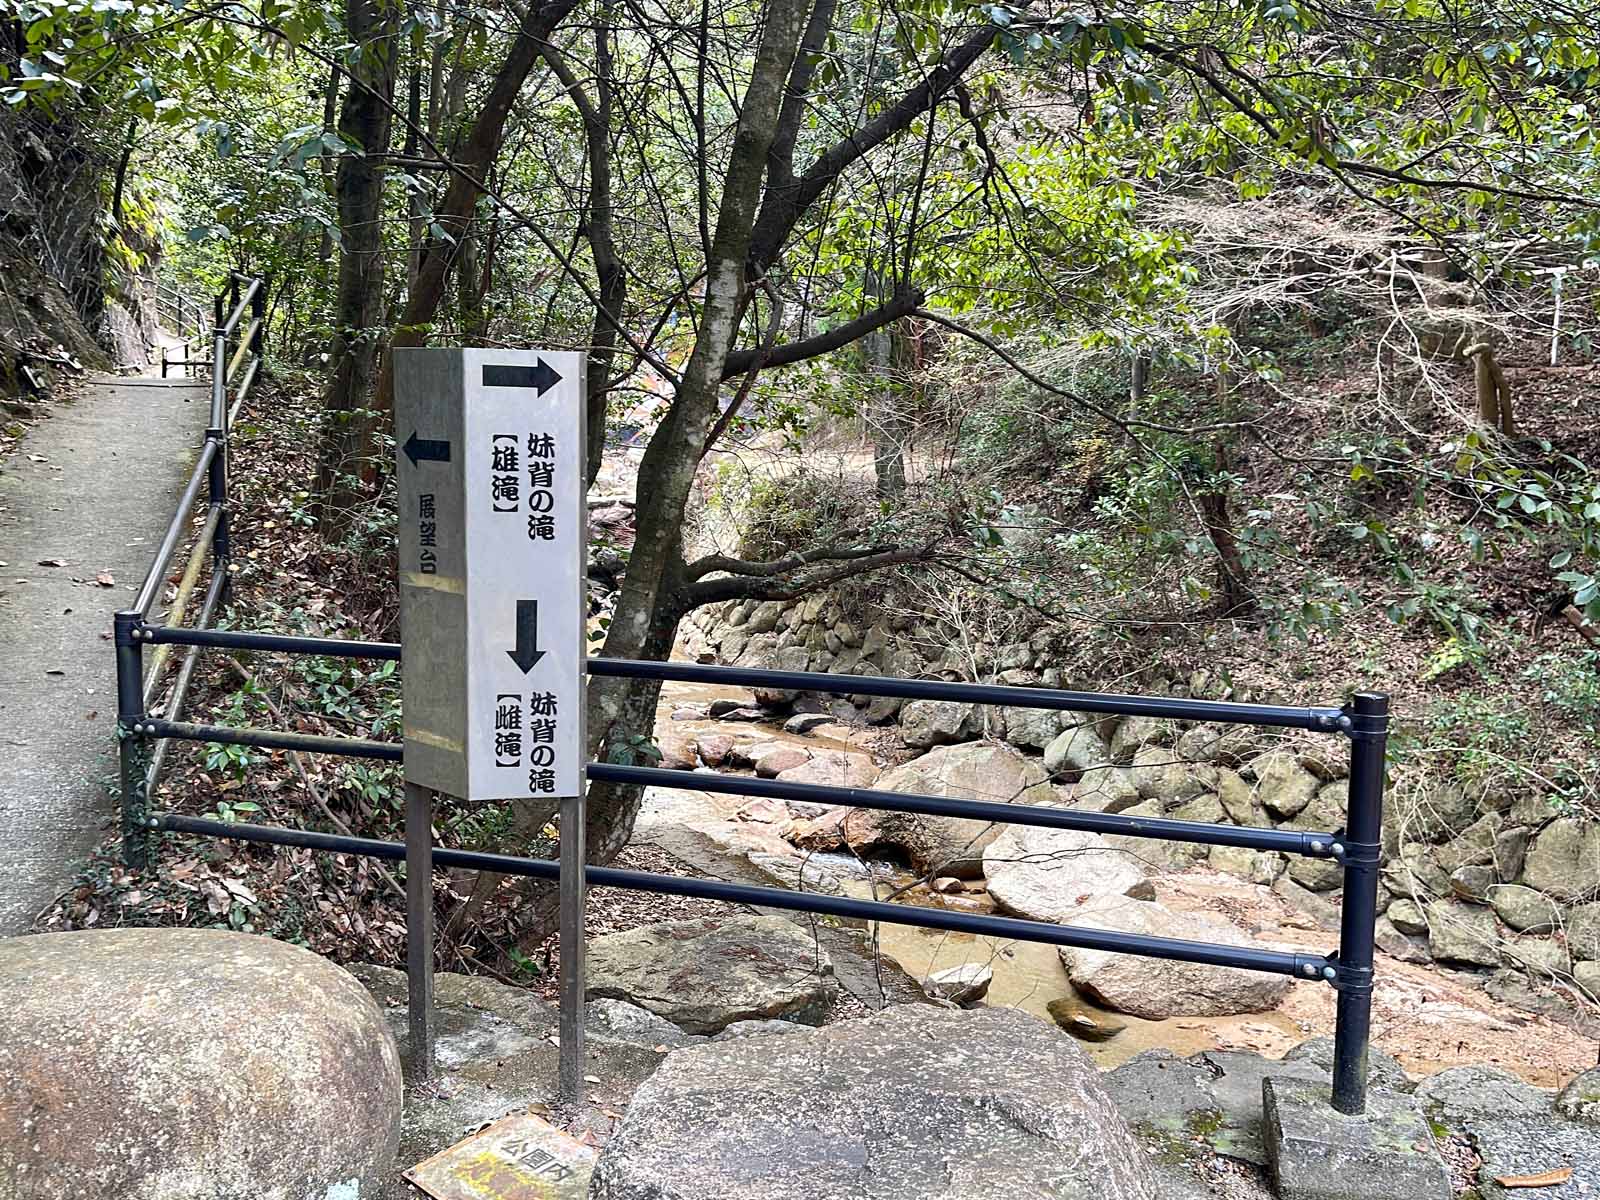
833,768
951,845
1284,787
1160,774
1031,728
1583,931
1075,750
705,974
1105,789
912,1103
1157,988
1564,860
1463,933
145,1064
1523,908
928,723
1047,874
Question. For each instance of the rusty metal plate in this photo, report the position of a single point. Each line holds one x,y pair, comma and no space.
519,1157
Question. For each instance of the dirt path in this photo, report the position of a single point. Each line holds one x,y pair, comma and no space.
92,488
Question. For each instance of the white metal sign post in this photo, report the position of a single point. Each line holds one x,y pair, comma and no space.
493,519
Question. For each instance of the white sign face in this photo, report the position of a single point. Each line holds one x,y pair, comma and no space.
514,455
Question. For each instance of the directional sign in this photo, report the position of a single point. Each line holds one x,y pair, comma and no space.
492,603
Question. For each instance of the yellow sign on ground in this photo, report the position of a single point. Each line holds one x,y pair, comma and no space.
519,1157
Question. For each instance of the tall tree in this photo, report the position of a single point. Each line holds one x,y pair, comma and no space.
365,124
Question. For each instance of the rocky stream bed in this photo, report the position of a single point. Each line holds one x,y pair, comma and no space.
1426,1014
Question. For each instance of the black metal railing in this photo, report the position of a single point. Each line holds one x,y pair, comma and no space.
150,715
139,684
1364,721
184,317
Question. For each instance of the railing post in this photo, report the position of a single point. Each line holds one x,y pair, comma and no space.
1359,852
258,312
570,1066
130,739
419,928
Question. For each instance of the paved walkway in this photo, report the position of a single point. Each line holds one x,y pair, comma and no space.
112,466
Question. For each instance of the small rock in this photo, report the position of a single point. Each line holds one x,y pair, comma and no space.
1541,956
928,723
1472,883
714,748
948,885
720,709
1583,931
1105,789
785,758
1081,1023
1398,945
964,985
803,723
1580,1099
1407,917
766,811
1160,775
1253,866
1308,902
752,1029
677,752
624,1022
745,713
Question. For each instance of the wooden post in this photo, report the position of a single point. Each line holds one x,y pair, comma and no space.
419,927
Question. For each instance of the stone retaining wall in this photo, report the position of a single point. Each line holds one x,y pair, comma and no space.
1500,883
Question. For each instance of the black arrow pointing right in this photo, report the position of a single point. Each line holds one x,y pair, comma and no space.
541,375
425,450
527,652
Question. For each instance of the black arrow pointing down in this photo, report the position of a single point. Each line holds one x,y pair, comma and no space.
527,652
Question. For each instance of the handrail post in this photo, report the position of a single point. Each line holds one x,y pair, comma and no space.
1361,847
130,738
258,312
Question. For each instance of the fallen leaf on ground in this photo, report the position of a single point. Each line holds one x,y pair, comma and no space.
52,562
105,579
1544,1179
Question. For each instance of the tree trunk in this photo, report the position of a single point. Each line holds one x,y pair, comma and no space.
882,354
652,599
1493,390
475,156
348,428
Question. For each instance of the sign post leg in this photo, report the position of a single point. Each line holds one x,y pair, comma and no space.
419,927
569,1089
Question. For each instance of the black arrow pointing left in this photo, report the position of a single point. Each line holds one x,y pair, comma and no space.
527,652
426,450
